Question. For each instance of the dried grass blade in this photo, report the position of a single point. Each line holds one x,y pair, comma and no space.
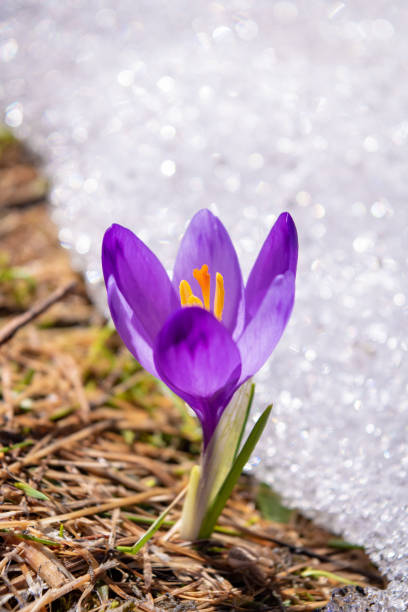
117,503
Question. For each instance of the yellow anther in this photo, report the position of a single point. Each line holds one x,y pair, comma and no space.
219,296
185,292
193,300
203,278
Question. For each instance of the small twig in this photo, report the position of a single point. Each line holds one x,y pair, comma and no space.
34,456
54,594
45,564
147,570
151,465
17,323
117,503
114,525
69,368
7,407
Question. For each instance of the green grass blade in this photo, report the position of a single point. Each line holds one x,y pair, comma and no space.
31,538
217,506
29,491
310,572
6,449
133,550
146,520
343,544
61,413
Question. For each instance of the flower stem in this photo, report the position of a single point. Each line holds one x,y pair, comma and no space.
189,527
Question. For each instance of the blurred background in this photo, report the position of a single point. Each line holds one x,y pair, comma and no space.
145,112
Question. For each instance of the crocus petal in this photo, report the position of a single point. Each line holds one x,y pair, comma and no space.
264,330
278,254
127,327
140,278
206,241
197,358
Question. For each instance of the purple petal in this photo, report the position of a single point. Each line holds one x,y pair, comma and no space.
264,330
206,241
140,278
278,254
128,328
197,358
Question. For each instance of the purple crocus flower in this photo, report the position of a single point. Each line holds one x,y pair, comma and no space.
204,353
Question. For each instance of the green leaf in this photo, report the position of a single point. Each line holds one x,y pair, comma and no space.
343,544
310,572
28,377
224,445
270,506
212,514
31,538
61,413
6,449
245,421
29,491
146,520
133,550
217,460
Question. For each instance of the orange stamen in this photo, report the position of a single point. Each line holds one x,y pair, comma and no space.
219,296
203,278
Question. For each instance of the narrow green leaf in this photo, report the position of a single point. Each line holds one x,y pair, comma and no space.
343,544
270,505
6,449
31,538
246,417
221,452
133,550
147,520
315,573
28,377
61,413
227,531
212,514
29,491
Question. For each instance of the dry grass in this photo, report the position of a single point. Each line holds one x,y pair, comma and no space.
93,449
